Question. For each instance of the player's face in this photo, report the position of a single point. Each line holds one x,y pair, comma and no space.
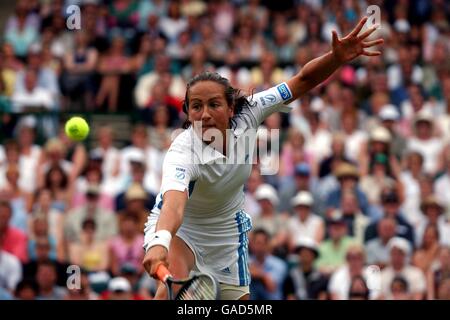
208,107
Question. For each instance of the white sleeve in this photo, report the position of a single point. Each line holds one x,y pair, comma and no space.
266,102
178,171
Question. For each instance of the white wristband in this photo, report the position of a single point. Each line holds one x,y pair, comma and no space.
160,238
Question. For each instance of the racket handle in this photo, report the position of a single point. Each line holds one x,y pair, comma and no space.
162,272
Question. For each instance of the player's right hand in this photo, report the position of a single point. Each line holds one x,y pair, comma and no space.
155,256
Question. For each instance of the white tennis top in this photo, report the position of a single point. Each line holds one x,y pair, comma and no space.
215,182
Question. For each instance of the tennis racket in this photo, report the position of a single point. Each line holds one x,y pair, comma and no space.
199,286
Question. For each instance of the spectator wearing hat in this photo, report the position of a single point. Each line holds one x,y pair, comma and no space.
433,214
135,200
348,176
389,117
391,209
304,281
378,143
105,220
376,249
89,253
119,288
126,248
138,166
303,180
400,253
332,251
355,266
274,223
305,222
424,142
268,272
141,151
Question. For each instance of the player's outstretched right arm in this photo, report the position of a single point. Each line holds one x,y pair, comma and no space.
170,220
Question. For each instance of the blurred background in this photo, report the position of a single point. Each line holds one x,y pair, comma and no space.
360,206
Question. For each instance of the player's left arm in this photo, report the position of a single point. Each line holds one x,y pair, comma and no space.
343,50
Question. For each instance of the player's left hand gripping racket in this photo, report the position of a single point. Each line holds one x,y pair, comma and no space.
199,286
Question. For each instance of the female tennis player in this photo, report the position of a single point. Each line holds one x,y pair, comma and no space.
197,223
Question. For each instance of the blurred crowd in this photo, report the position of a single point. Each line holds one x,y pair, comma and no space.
359,208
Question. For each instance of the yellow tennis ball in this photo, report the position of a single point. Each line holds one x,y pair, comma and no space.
77,128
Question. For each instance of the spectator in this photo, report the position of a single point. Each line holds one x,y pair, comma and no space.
391,209
33,98
333,250
410,180
438,275
433,214
275,224
26,289
251,205
341,280
29,154
39,230
348,176
13,240
107,152
423,142
89,253
43,255
18,198
354,218
389,118
46,277
267,271
106,224
358,289
377,249
10,272
79,66
305,222
126,248
119,288
400,253
426,257
304,281
400,289
111,66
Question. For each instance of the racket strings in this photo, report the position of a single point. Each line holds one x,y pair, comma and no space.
201,288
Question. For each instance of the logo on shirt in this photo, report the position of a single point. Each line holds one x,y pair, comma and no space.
284,91
180,173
